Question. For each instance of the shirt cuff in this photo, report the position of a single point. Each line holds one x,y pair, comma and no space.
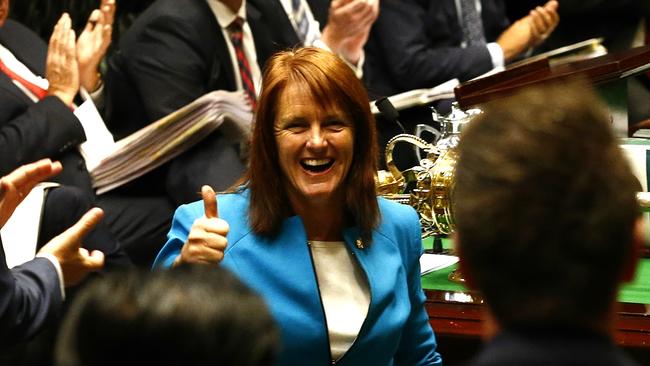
97,96
496,54
57,266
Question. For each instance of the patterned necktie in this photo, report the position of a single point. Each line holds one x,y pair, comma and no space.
39,92
236,38
472,23
300,19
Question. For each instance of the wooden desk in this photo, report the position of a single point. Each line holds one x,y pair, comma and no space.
457,317
460,314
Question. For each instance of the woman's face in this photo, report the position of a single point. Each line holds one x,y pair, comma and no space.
315,147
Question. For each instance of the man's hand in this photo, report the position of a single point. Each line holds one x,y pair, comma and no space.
348,26
15,186
61,66
542,21
206,241
76,262
529,31
93,44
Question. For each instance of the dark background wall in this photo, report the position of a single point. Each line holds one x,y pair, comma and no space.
41,15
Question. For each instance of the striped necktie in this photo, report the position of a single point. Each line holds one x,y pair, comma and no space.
300,19
39,92
236,38
472,23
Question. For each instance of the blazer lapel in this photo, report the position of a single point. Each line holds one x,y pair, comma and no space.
221,73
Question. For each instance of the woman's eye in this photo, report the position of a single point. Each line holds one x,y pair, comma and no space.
335,126
296,128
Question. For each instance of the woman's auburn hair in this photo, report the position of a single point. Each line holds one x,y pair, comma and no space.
332,82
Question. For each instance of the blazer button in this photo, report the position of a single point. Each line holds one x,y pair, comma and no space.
81,165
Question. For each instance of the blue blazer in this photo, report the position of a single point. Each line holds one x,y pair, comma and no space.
396,330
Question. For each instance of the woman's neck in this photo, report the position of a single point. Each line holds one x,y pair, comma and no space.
322,221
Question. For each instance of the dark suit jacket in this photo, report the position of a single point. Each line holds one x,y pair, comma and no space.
416,44
551,347
173,54
48,129
30,131
29,298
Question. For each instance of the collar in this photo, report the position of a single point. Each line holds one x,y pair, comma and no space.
224,15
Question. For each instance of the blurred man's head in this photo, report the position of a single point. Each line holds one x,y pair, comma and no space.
546,208
194,315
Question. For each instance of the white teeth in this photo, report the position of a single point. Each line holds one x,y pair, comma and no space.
316,162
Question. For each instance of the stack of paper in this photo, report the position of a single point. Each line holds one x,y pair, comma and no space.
434,262
161,141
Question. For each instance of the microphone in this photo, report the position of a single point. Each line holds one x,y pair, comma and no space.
389,112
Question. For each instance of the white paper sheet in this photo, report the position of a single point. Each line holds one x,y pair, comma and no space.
434,262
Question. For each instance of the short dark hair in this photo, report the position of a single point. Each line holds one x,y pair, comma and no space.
545,207
332,82
193,315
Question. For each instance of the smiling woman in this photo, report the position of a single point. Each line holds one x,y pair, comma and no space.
338,267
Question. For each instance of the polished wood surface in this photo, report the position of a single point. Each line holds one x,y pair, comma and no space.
462,314
597,71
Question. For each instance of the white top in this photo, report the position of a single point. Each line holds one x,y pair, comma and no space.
225,17
344,292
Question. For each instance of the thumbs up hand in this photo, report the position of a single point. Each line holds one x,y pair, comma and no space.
206,241
76,262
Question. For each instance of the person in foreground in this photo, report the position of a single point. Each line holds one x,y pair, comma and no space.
548,227
31,294
338,267
196,314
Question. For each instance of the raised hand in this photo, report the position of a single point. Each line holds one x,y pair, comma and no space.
542,21
206,241
93,44
529,31
15,186
76,262
61,65
348,26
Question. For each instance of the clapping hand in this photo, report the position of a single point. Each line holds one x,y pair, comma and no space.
348,26
206,241
93,44
15,186
76,262
529,31
61,65
542,21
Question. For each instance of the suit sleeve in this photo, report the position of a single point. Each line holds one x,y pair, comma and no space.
44,129
166,65
413,59
30,297
418,343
